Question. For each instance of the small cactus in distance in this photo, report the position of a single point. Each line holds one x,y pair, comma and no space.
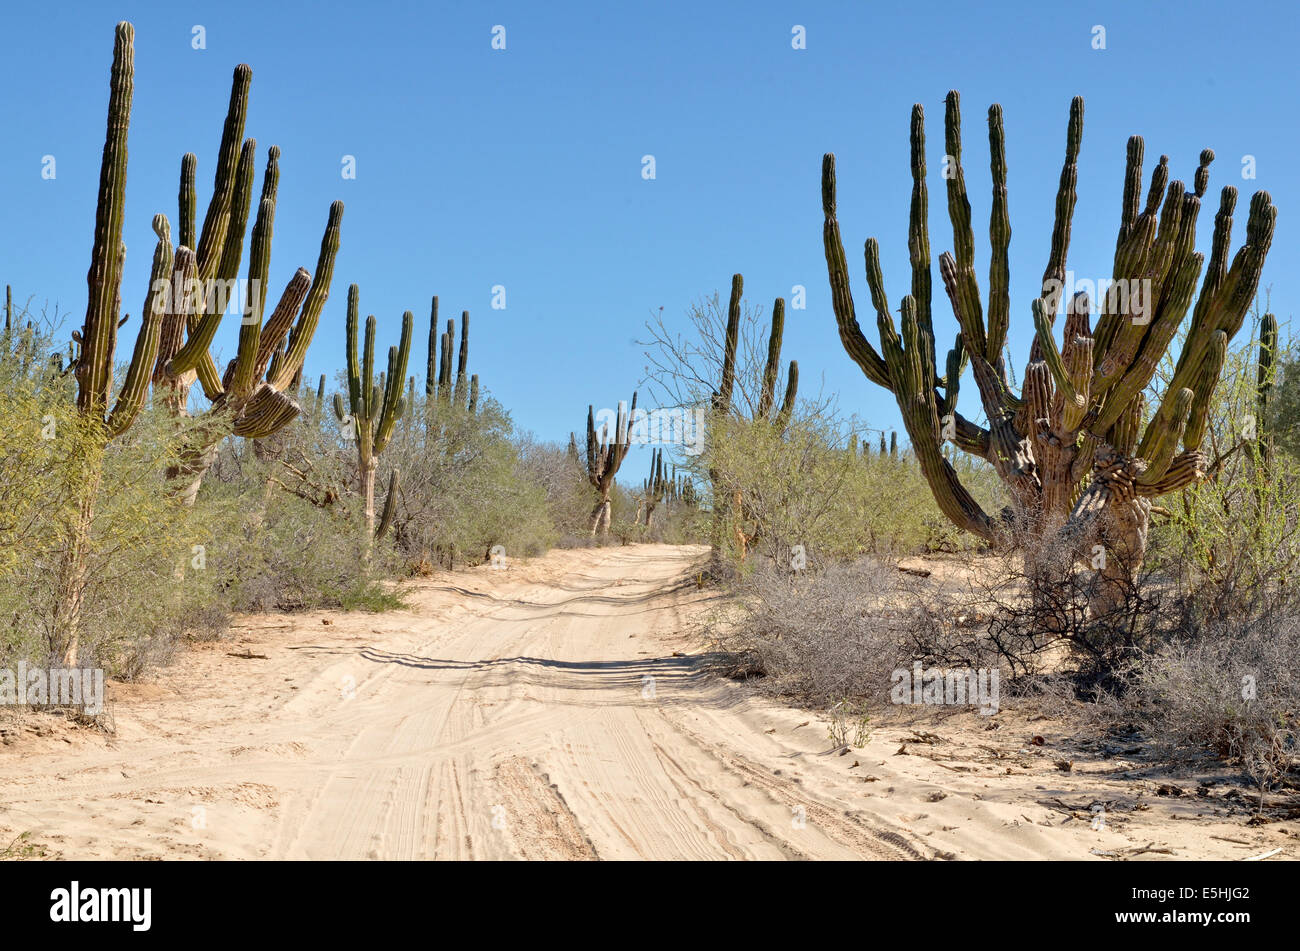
373,408
605,453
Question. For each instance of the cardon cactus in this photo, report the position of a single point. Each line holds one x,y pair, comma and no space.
373,408
654,487
438,381
256,396
605,453
1078,462
730,509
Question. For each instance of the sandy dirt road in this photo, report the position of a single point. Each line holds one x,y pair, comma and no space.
559,709
536,712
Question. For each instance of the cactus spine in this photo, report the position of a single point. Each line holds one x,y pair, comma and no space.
1069,447
373,408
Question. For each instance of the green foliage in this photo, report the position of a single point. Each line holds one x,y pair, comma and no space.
800,489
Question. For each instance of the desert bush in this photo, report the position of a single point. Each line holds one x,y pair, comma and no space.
143,591
822,635
1229,688
801,490
465,487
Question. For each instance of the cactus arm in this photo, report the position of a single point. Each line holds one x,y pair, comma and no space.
1000,241
854,341
186,200
172,335
1264,379
355,398
918,240
1164,433
104,280
250,328
431,369
473,394
462,362
1066,196
772,367
303,331
1052,356
191,356
1215,356
368,408
136,384
962,281
390,505
266,413
791,391
217,220
722,400
277,325
394,406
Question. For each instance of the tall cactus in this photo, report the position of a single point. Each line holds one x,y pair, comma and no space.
653,489
730,510
256,396
373,408
605,453
1264,383
1071,447
460,389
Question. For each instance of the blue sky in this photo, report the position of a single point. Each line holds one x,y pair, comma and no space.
522,167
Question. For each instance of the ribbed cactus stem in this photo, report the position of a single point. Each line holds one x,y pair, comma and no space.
136,384
1264,379
216,222
303,331
731,338
773,366
431,366
462,361
104,279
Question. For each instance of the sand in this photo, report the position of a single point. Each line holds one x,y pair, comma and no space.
561,708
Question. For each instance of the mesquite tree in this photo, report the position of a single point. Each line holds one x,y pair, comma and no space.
605,453
373,407
1079,455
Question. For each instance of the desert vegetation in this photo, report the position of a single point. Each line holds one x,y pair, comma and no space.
1126,520
1115,529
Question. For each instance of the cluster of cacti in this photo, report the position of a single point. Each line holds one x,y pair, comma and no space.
731,510
1072,449
187,295
722,396
681,491
438,381
605,453
653,489
888,446
373,407
189,289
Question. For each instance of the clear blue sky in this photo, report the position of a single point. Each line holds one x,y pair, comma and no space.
522,167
